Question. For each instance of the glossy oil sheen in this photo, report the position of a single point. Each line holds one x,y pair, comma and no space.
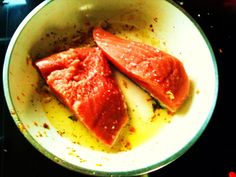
159,23
144,120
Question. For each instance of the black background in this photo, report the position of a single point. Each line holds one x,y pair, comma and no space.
213,155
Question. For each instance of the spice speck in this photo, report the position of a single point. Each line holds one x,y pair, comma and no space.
45,125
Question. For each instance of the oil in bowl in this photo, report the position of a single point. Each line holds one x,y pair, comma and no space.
146,117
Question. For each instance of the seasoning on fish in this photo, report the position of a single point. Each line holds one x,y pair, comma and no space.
82,79
159,73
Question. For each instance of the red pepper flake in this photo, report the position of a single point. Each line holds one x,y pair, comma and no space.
72,117
151,27
128,145
18,98
45,125
132,129
121,140
155,106
155,19
232,174
129,27
36,124
170,113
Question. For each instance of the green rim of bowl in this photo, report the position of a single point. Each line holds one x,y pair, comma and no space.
139,171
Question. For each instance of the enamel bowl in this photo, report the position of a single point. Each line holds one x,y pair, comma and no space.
151,142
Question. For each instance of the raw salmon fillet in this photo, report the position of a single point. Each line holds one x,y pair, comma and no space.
82,79
159,73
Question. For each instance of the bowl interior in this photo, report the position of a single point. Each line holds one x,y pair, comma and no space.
57,25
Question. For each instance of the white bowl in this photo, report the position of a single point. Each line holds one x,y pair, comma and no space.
163,24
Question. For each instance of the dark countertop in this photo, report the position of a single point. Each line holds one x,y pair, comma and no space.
213,155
